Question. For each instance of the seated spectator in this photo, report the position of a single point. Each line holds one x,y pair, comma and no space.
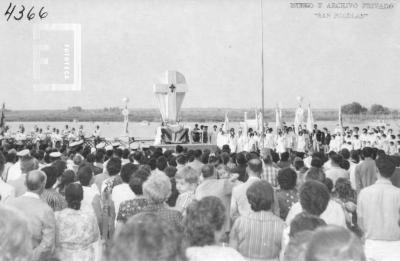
333,243
287,194
258,235
203,230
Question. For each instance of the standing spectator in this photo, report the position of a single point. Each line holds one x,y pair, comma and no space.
366,171
287,194
16,238
40,216
270,172
27,164
378,213
6,191
240,167
335,171
55,200
203,230
123,192
186,183
196,164
258,235
76,230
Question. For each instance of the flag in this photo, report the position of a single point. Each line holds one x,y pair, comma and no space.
226,123
278,118
310,119
3,118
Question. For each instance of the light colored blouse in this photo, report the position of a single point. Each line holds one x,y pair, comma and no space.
76,233
215,253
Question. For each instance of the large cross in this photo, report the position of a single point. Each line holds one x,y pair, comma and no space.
170,92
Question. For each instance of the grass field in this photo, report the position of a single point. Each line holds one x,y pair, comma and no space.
187,114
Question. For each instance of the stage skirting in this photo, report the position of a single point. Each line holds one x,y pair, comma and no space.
189,146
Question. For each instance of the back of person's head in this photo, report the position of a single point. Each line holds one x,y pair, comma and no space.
386,166
197,154
203,219
344,164
255,166
137,179
334,243
305,221
161,163
15,235
170,171
60,165
316,174
260,195
316,162
127,170
298,164
99,157
207,171
146,236
179,149
314,197
157,188
241,158
35,181
344,190
367,152
297,247
285,156
181,159
355,156
67,177
137,155
114,166
78,159
28,164
287,178
188,174
85,175
336,159
74,195
51,176
345,153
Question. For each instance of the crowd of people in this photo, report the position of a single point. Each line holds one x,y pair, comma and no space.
236,203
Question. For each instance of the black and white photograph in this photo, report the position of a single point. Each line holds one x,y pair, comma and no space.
199,130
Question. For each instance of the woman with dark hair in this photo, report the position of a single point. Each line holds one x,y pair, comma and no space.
287,194
76,230
258,235
66,178
133,206
54,199
203,230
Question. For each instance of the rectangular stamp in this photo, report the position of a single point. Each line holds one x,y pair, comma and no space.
57,57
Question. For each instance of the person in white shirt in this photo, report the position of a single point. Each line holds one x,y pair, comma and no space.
335,171
14,172
232,141
123,192
6,191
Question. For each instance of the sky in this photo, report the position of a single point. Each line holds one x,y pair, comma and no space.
216,44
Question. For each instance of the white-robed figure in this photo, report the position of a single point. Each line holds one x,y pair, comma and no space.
269,141
301,143
222,138
232,141
241,140
280,142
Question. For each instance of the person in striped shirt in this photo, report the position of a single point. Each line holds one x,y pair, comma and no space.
258,235
270,172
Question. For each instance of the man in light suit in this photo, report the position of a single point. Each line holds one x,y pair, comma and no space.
220,188
41,220
240,205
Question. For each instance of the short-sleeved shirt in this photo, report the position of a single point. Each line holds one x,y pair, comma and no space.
378,210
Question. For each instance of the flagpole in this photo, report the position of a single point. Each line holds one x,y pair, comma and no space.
262,72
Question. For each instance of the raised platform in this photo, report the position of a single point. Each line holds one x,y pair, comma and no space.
189,146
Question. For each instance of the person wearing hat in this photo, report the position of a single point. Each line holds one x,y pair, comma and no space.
14,171
378,213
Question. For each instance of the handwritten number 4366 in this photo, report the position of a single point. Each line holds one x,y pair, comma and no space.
19,14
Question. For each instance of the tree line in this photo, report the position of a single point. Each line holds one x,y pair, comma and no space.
375,109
